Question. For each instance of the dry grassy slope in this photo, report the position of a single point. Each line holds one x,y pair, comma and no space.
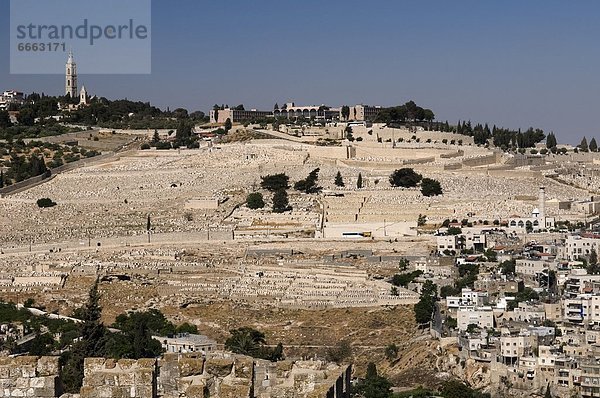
303,332
309,332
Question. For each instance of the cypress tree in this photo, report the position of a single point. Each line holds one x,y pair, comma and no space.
280,201
92,343
339,180
359,182
583,146
593,145
551,141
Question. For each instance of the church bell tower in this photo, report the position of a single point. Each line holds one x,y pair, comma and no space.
71,77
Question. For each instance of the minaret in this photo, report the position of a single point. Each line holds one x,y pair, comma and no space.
542,205
71,77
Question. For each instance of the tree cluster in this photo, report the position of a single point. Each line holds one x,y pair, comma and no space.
585,147
408,178
409,112
275,182
309,184
403,280
133,341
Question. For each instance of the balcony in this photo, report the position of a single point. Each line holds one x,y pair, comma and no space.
574,317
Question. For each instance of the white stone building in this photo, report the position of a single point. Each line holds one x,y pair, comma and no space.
533,267
187,343
580,246
483,317
538,221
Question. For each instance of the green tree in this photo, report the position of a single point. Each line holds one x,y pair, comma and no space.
275,182
156,322
404,280
425,307
339,180
245,341
45,203
42,344
134,341
403,264
187,328
4,120
592,267
454,231
448,290
155,137
309,184
430,187
228,125
405,178
583,145
359,181
280,201
340,352
508,267
26,116
421,220
551,141
593,257
373,385
345,112
277,354
593,145
457,389
548,393
91,344
391,352
255,200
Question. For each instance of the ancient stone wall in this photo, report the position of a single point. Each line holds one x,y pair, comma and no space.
222,375
125,378
29,377
218,375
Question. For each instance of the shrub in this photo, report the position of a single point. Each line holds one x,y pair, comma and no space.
45,202
405,178
430,187
275,182
255,201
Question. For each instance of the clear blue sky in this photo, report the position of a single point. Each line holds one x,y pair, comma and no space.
514,63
